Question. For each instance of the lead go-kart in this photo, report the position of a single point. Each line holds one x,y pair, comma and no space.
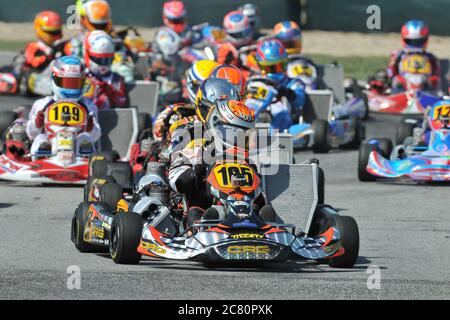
65,162
422,153
342,126
68,160
150,222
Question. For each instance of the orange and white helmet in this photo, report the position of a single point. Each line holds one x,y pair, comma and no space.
98,52
95,15
232,74
48,27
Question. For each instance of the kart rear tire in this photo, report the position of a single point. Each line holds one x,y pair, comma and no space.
321,136
77,229
348,229
110,156
6,120
122,173
404,130
126,230
363,159
144,125
358,135
110,194
90,184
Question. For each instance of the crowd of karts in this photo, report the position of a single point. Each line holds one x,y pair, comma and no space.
176,141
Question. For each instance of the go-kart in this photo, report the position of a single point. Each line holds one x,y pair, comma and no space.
68,161
340,125
150,222
413,94
424,154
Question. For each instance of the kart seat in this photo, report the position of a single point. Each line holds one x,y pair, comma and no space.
144,94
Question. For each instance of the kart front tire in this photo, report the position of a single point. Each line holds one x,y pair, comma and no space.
110,194
348,229
77,230
92,181
126,232
363,159
321,136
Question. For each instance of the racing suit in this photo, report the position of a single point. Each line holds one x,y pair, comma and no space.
394,68
35,126
283,116
107,91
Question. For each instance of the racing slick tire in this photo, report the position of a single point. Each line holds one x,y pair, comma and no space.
144,125
126,232
107,156
363,159
6,120
321,136
110,194
77,229
349,232
404,130
96,181
122,173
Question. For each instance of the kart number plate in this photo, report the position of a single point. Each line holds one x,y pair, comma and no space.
417,64
224,174
66,113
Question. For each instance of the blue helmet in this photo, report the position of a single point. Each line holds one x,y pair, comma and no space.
272,58
68,78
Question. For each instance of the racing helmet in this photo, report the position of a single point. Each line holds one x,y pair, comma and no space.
272,59
48,27
95,15
98,52
68,78
174,15
251,11
238,28
230,124
289,33
196,75
231,73
167,42
209,92
415,34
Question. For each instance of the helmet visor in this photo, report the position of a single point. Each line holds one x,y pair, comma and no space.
274,68
102,61
69,82
418,43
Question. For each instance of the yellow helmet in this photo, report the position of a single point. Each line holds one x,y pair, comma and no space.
48,26
196,75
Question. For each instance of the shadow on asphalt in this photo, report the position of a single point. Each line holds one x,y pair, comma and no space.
6,205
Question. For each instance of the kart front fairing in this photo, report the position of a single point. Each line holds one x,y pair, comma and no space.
240,240
431,165
401,103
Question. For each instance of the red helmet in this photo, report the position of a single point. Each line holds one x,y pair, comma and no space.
232,74
48,26
174,15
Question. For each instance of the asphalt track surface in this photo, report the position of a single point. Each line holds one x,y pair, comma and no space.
404,231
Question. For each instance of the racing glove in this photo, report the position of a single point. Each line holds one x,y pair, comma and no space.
39,120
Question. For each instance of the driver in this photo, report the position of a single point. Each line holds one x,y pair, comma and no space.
226,131
68,79
239,34
106,88
414,41
272,58
174,17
